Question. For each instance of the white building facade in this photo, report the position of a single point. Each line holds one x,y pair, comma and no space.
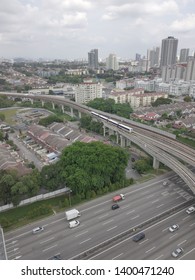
88,91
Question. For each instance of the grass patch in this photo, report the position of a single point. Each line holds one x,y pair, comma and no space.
9,115
19,216
187,141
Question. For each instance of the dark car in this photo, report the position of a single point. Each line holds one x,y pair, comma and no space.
115,206
139,236
56,257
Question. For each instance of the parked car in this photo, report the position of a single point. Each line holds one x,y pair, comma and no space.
38,229
173,228
177,252
139,236
115,206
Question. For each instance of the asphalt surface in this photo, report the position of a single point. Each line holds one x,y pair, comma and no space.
97,222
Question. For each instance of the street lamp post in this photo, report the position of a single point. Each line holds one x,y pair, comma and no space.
69,197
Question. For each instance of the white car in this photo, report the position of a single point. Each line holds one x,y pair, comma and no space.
74,223
190,210
177,252
38,229
173,228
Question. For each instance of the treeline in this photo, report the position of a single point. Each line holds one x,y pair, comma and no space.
109,106
88,169
50,119
160,101
5,102
89,124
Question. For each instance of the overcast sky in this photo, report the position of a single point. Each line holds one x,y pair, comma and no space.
69,29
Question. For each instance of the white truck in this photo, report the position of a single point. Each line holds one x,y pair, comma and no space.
72,214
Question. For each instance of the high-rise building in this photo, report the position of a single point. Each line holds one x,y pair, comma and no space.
93,59
137,57
184,53
190,70
168,51
153,57
112,62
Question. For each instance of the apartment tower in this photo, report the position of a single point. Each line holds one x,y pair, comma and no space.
93,59
169,51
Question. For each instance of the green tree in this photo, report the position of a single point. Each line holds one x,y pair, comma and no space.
6,183
187,98
2,117
92,167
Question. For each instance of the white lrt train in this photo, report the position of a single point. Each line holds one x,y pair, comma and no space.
119,125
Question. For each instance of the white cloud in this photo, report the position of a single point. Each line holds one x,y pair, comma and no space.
74,27
184,25
134,9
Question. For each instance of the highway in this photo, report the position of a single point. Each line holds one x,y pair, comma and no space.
158,243
98,222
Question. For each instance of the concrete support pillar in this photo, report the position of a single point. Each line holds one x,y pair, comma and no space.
80,115
122,141
62,106
110,131
42,103
128,142
117,138
71,112
155,163
104,130
53,106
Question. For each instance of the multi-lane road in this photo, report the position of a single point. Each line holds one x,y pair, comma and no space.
99,223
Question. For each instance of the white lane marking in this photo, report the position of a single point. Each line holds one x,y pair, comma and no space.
126,206
46,240
99,211
192,224
178,197
155,201
130,212
81,233
111,228
159,205
143,241
17,257
110,221
49,248
150,196
117,256
14,254
181,242
56,221
187,253
102,216
187,217
172,236
135,217
85,241
165,229
15,249
159,257
150,250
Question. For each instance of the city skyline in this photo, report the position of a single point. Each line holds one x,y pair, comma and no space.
69,29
